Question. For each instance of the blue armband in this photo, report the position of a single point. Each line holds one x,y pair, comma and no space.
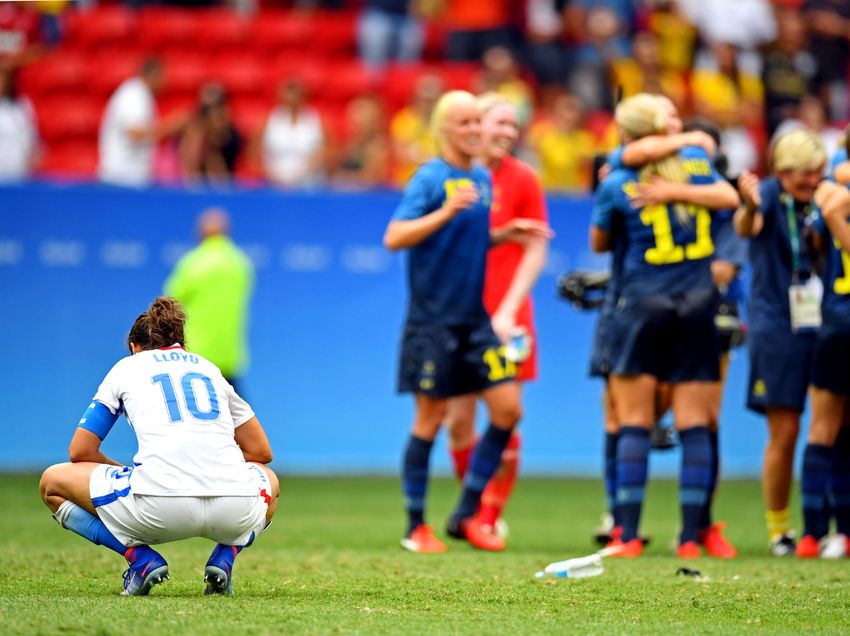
98,419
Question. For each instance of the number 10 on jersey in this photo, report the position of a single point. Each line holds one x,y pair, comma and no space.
187,387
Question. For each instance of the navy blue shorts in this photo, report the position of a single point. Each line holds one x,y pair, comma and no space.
604,344
780,370
673,338
441,361
831,359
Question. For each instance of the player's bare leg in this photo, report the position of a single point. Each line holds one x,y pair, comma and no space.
460,422
777,474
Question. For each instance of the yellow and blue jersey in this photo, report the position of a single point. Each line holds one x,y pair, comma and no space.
662,255
771,258
445,272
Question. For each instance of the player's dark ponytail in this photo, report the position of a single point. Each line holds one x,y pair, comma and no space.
162,325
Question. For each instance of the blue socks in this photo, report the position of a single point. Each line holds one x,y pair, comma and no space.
632,465
705,517
483,464
840,486
611,472
817,471
695,479
71,517
414,480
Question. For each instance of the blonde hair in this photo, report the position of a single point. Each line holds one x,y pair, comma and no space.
799,149
489,100
644,115
441,113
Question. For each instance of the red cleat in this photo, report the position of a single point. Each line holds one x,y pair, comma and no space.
689,550
808,548
476,533
625,550
422,540
715,543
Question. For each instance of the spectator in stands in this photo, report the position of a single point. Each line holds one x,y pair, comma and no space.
20,33
388,30
734,100
564,148
744,24
410,130
643,73
18,133
501,75
214,283
292,140
544,36
210,144
676,35
789,69
129,129
810,114
364,160
829,24
602,44
473,26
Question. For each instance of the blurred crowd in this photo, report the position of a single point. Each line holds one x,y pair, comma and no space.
754,67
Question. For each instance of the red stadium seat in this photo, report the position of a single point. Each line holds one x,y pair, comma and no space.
72,119
103,79
241,74
460,75
60,72
177,103
185,74
346,80
100,26
164,29
221,30
335,35
277,31
305,68
250,114
70,159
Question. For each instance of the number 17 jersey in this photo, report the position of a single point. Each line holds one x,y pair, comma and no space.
184,414
663,256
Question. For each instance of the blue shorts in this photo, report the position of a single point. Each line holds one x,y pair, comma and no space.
780,370
446,361
672,338
831,359
604,344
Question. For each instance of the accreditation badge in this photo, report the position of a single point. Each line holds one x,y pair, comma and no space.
804,300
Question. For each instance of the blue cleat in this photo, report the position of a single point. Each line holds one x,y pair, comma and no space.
147,568
218,574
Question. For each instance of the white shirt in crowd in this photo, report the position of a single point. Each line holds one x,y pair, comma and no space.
18,137
289,146
184,414
122,160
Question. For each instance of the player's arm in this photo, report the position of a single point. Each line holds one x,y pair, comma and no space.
402,233
253,442
834,202
94,426
654,147
842,173
719,195
604,206
748,219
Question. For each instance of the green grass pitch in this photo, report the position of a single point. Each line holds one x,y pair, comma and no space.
331,563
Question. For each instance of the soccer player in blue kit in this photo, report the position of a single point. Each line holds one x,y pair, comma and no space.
775,216
664,318
448,345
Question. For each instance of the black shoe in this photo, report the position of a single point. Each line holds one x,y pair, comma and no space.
663,437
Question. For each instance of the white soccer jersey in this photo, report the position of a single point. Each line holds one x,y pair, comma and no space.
184,414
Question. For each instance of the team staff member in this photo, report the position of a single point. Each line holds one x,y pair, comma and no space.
200,470
512,270
214,282
666,297
775,215
826,469
448,344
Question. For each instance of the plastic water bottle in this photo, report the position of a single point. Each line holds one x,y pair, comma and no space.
579,568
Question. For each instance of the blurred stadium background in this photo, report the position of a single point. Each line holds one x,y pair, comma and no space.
80,259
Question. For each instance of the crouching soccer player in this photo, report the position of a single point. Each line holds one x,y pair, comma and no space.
200,470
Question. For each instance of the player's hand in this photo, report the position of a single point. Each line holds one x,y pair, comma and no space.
748,187
702,140
655,191
604,171
522,231
462,199
502,323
